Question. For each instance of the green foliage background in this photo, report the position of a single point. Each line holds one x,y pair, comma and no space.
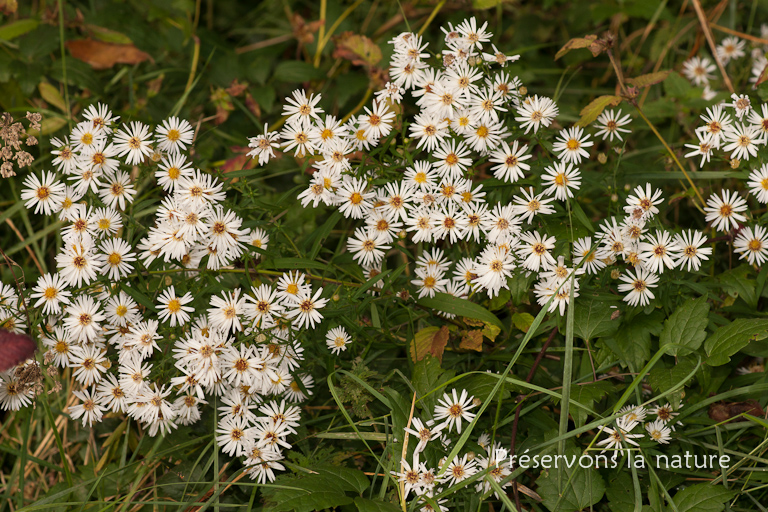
227,65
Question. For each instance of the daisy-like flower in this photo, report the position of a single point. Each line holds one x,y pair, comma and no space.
530,205
453,409
752,243
535,112
460,469
100,116
117,258
337,340
659,252
65,158
44,193
725,212
82,318
741,104
78,264
377,122
474,36
367,246
610,123
171,169
511,162
633,414
409,475
296,135
302,108
452,161
742,140
571,143
420,222
716,122
486,105
118,191
305,308
174,135
50,291
617,436
758,183
563,178
703,148
13,394
295,393
492,269
232,435
397,197
291,284
134,142
665,414
264,306
658,431
429,130
88,363
699,70
85,136
430,280
173,307
536,248
645,201
730,48
424,432
354,202
89,408
760,120
421,176
264,145
225,311
690,250
499,57
448,222
582,252
638,285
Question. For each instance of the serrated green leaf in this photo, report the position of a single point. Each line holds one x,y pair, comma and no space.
621,494
702,498
663,379
460,307
632,342
366,505
426,377
583,487
592,319
731,338
686,326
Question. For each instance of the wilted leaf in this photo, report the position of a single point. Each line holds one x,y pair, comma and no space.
357,49
430,340
762,78
576,42
252,105
239,162
649,79
595,108
490,331
101,55
723,411
49,125
8,6
472,340
52,96
522,321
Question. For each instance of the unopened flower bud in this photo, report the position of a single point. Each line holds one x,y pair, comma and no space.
615,273
602,158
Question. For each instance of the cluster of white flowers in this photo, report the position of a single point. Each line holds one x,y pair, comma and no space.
659,430
245,350
462,122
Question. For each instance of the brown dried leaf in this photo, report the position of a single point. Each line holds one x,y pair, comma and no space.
236,88
252,105
576,42
472,340
239,162
430,340
724,411
101,55
649,79
357,49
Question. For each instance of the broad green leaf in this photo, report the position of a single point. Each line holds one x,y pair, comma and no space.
428,376
632,342
460,307
296,71
663,379
366,505
737,283
18,28
676,86
587,395
324,488
702,498
621,493
731,338
592,319
686,326
583,487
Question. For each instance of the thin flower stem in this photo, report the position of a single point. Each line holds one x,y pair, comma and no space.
321,43
431,17
708,34
674,157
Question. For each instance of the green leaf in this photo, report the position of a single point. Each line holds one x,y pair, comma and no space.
324,488
587,395
737,284
296,71
428,376
632,342
731,338
702,498
18,28
595,108
52,95
686,326
366,505
460,307
649,79
663,379
522,321
485,4
583,487
676,86
592,319
581,216
621,494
